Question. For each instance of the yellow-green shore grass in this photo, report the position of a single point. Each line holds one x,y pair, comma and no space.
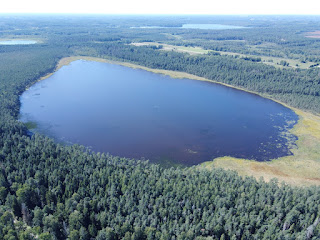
300,169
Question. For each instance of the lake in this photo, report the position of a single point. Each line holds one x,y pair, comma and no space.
199,26
212,26
17,42
139,114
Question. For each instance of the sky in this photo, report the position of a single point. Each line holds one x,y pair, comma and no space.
232,7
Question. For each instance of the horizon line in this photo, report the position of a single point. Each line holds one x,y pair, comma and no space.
157,14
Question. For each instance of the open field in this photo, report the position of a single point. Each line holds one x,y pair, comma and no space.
273,61
315,34
167,47
302,168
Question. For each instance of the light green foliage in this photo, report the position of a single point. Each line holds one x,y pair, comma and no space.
45,236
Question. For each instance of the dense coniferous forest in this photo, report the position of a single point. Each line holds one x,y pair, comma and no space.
53,191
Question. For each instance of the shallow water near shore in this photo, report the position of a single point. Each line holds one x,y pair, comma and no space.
138,114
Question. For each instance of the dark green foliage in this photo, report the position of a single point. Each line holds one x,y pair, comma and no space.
284,63
109,197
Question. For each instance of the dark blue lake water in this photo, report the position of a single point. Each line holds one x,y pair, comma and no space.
211,26
138,114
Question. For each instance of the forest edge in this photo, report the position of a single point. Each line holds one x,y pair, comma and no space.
300,169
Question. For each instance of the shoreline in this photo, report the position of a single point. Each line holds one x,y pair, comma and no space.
307,129
174,74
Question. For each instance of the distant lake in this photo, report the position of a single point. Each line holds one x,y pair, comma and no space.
211,26
17,42
138,114
199,26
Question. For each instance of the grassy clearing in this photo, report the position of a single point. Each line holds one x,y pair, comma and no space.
172,36
314,34
273,61
167,47
302,168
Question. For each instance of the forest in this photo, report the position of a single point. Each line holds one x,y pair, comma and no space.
49,190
